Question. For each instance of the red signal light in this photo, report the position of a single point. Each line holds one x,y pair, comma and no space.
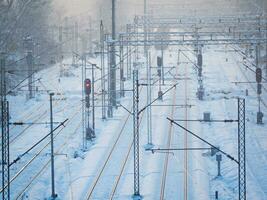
87,88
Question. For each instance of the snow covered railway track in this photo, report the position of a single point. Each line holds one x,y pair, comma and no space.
26,117
91,190
39,153
33,178
115,186
168,169
186,140
166,160
36,120
109,163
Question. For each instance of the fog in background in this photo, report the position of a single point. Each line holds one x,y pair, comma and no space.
127,9
42,20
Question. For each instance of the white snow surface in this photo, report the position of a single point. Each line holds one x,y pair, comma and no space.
74,177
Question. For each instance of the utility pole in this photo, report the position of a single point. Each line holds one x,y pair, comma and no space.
103,84
60,51
75,46
83,104
145,27
93,98
76,37
128,49
113,58
110,108
28,42
122,79
265,65
53,195
162,62
148,72
90,36
112,66
5,133
149,112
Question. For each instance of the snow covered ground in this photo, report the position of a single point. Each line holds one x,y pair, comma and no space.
192,173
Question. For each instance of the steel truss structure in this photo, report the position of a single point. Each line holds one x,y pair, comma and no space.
242,149
136,194
5,135
229,30
144,32
240,22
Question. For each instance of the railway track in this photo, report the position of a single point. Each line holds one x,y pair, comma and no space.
186,142
28,117
36,155
105,165
108,159
168,145
42,116
40,152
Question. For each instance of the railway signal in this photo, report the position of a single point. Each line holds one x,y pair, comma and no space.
87,86
258,75
87,101
88,91
159,61
259,91
199,60
219,159
259,86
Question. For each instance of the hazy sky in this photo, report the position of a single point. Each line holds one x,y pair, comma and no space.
129,8
77,7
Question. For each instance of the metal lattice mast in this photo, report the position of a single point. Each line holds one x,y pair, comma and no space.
60,38
93,98
162,62
5,135
266,50
83,104
145,25
128,52
241,149
113,58
103,86
121,69
136,133
76,38
30,74
149,120
110,108
90,36
137,40
28,42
